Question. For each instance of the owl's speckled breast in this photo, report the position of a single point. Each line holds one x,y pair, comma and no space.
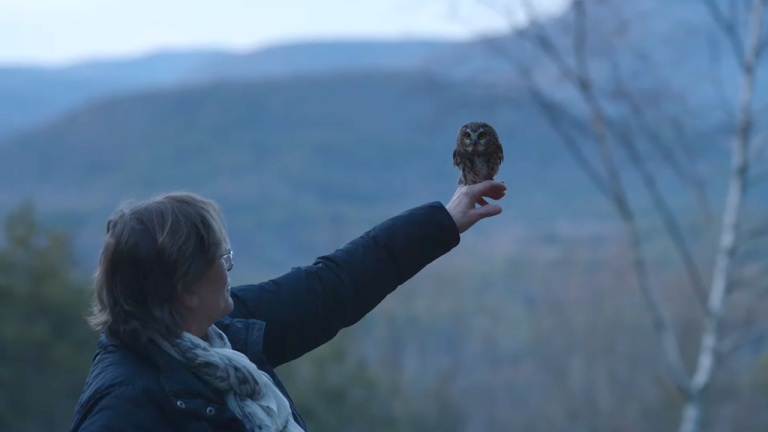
478,168
481,171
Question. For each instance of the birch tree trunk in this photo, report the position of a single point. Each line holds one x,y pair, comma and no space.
706,361
607,178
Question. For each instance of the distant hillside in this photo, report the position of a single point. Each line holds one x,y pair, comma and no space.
325,144
30,96
645,37
297,163
325,57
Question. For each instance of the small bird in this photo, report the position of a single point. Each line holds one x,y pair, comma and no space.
478,153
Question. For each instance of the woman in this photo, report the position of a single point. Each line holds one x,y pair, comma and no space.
180,351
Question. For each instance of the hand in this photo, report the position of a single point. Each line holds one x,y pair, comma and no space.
462,205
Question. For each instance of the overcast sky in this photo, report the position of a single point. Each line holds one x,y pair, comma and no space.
65,31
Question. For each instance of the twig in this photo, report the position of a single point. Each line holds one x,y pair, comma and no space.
598,119
755,232
662,323
739,285
556,114
551,111
715,70
668,218
757,179
580,77
759,145
541,39
728,27
664,150
732,343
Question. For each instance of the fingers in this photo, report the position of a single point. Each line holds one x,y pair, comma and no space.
481,201
486,211
492,189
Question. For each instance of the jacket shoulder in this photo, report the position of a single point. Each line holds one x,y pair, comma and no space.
119,382
246,335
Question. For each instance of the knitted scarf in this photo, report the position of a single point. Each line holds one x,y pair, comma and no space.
250,393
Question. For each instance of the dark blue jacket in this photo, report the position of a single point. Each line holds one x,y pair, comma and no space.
133,388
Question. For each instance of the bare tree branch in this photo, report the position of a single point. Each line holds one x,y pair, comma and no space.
667,215
762,46
662,323
740,284
664,150
759,144
705,362
733,204
598,121
557,116
758,178
541,39
734,10
750,326
756,232
717,77
668,218
581,78
739,340
605,135
553,112
649,127
728,27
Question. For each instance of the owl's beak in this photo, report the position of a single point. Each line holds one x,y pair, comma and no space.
473,142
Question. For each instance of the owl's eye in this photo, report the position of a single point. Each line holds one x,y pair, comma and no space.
467,136
482,135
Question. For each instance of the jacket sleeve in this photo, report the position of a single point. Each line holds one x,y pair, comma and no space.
124,408
309,305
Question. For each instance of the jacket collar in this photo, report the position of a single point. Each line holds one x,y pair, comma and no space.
184,389
244,335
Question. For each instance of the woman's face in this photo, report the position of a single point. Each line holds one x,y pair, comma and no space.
210,299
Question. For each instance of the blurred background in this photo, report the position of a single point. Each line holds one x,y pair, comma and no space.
634,226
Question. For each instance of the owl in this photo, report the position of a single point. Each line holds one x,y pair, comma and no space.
478,153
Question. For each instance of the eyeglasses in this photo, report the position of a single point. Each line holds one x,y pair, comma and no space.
227,258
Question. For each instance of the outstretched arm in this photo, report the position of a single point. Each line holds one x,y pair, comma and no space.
309,305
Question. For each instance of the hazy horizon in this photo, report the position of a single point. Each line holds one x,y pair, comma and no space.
94,30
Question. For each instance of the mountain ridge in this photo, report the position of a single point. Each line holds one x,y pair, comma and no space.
30,96
345,146
369,145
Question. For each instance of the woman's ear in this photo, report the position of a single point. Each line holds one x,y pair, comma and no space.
187,298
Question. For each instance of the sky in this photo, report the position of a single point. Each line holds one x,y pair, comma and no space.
59,32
